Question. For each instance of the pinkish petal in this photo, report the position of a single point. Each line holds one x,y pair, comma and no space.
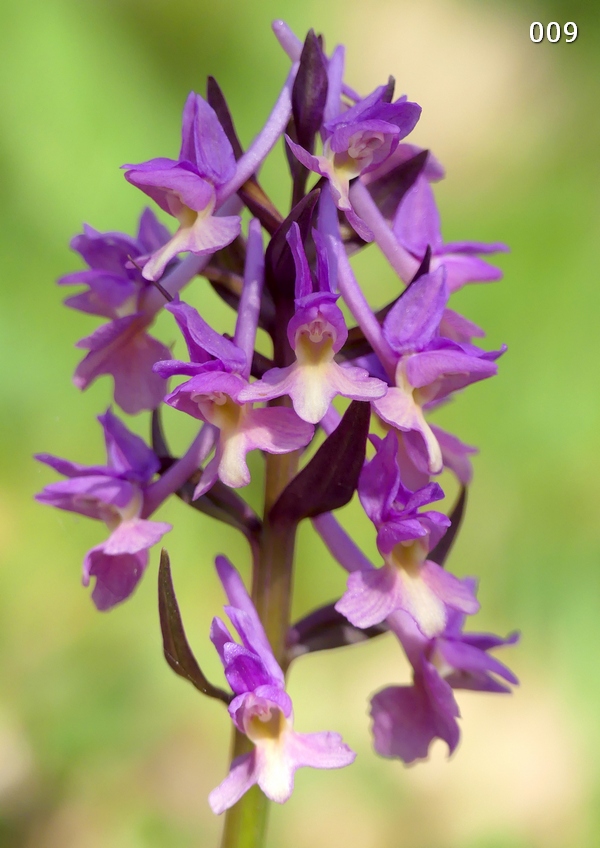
449,589
462,269
207,234
276,430
134,535
242,776
324,750
370,597
417,221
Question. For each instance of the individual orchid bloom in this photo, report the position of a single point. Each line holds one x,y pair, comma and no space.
116,290
187,187
406,719
261,708
113,493
316,333
416,225
213,394
407,581
357,141
429,367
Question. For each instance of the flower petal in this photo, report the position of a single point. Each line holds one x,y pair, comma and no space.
242,776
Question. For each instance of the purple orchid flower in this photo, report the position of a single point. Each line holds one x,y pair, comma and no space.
406,719
262,709
357,141
113,493
417,225
429,367
187,187
117,290
213,394
407,581
316,333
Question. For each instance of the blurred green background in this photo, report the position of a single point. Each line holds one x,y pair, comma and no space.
100,744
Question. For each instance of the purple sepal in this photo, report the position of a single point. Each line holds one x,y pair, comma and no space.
462,269
204,343
244,671
204,142
304,285
430,366
459,329
110,254
464,658
473,667
417,225
108,295
128,454
414,319
91,495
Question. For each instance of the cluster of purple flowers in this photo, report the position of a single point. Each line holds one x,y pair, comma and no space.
395,365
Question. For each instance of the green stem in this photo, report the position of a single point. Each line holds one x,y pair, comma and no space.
272,578
246,822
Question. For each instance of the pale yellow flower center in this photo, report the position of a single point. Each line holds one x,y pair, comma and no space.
219,409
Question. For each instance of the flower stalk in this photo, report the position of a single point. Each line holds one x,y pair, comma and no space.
371,388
